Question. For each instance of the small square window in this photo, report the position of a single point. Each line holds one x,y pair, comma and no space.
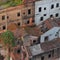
57,5
18,51
52,6
3,17
45,8
49,56
18,14
44,14
19,24
4,27
57,15
41,19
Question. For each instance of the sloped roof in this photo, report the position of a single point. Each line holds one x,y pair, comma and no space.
50,45
49,23
44,47
33,31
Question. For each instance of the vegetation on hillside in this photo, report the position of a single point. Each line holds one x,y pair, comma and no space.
9,3
8,41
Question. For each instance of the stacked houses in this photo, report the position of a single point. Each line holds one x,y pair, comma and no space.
40,20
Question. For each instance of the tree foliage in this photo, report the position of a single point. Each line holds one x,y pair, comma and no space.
8,38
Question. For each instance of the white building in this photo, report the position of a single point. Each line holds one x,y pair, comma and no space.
45,9
50,34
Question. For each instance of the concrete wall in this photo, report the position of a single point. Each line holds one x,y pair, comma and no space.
55,53
48,11
52,34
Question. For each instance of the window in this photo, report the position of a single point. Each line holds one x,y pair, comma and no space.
33,21
4,27
44,14
39,9
41,19
42,58
51,16
3,17
57,15
52,6
27,22
18,14
45,8
46,38
57,5
34,41
18,51
18,23
29,11
24,13
7,17
49,56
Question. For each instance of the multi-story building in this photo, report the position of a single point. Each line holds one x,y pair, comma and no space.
49,50
20,15
50,29
45,9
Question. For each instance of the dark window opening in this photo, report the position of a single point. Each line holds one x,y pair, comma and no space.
4,27
3,17
18,14
27,22
57,5
33,21
40,9
57,15
34,41
52,6
51,16
24,13
19,24
45,8
46,38
44,14
18,51
42,58
7,17
41,19
49,56
29,11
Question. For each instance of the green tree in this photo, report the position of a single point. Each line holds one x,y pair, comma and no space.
8,40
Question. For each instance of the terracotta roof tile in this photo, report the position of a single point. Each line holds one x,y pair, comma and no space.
49,23
46,46
34,31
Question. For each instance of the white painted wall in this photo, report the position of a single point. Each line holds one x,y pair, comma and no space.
51,34
48,11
